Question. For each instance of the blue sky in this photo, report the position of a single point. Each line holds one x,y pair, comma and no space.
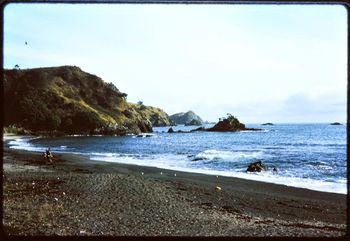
272,63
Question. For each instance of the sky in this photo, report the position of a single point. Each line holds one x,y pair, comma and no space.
261,63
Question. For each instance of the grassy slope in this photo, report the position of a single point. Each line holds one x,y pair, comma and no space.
69,100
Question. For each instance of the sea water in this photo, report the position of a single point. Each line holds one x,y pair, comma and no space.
309,156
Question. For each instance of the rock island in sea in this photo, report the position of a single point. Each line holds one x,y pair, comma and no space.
228,124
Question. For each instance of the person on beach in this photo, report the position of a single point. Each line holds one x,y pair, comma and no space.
48,155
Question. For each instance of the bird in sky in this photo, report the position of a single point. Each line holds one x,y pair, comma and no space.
26,43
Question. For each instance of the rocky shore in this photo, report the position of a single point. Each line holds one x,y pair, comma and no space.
77,196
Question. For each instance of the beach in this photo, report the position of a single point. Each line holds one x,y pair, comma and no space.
78,196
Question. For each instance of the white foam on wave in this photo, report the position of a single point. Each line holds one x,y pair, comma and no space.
167,161
254,131
228,155
180,163
23,144
317,185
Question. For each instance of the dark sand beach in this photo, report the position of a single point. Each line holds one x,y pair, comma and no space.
77,196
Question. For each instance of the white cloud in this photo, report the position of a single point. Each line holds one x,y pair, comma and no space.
324,108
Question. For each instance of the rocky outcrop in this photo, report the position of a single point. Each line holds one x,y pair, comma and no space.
199,129
230,124
185,118
256,167
267,124
171,130
156,116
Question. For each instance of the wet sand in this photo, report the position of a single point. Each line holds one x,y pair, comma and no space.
78,196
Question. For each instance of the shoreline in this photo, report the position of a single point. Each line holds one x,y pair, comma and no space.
74,156
69,160
186,204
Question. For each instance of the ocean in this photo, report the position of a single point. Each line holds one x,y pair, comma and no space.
309,156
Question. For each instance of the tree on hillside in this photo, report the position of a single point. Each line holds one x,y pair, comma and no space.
112,86
142,106
230,117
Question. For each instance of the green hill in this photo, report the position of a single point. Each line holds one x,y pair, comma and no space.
186,118
67,100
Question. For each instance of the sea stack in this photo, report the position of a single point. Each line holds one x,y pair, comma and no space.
230,123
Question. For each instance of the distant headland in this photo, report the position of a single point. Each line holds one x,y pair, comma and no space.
186,118
65,100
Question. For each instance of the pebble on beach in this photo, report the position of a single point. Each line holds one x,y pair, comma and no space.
218,188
